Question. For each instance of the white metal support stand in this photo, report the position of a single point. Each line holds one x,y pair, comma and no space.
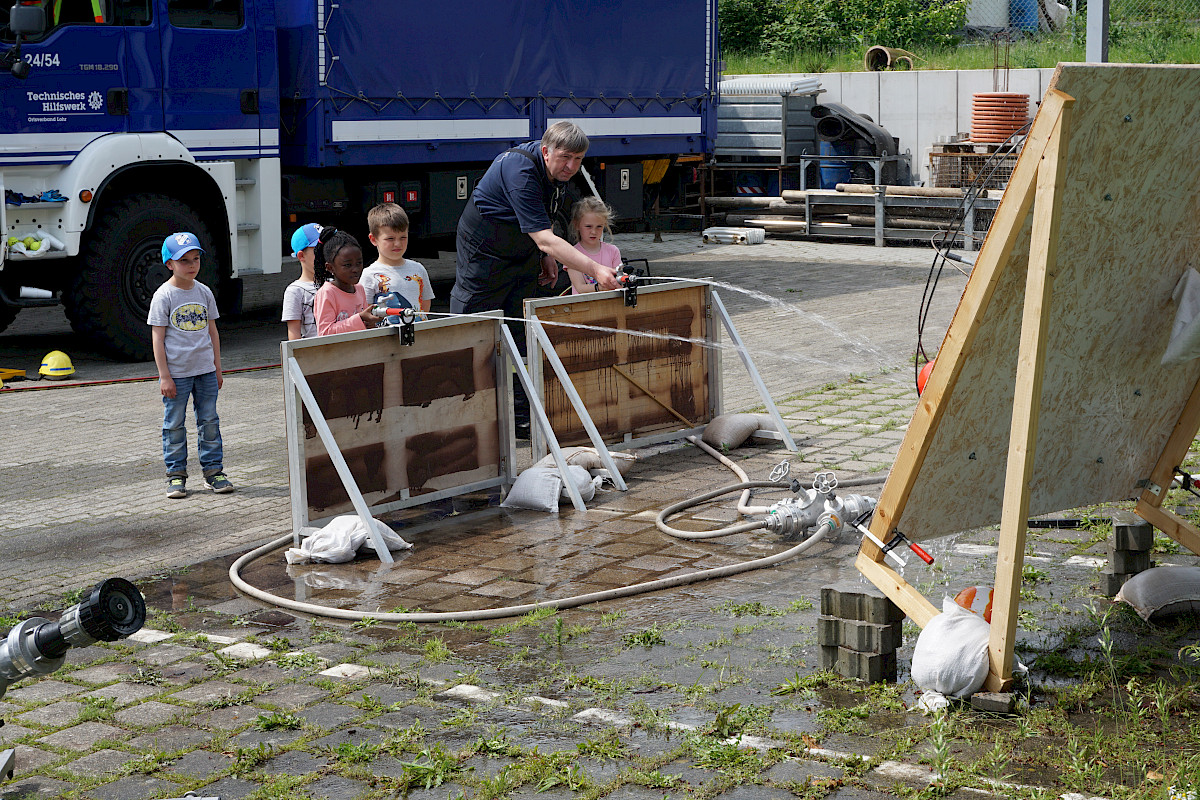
339,462
781,432
576,402
539,414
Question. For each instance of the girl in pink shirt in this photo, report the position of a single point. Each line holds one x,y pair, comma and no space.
589,223
341,304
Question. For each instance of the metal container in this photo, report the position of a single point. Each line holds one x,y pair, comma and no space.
765,129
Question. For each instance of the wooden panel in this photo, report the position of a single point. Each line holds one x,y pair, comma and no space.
1128,231
415,419
675,370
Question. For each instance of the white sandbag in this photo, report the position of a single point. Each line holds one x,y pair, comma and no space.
732,430
1163,591
589,459
584,482
339,541
1184,344
536,488
951,656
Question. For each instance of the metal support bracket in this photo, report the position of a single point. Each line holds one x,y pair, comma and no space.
581,411
782,431
338,460
539,415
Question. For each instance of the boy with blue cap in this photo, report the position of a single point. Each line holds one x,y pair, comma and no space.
299,295
187,351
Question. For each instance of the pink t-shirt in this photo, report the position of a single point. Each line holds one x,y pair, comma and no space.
608,256
337,311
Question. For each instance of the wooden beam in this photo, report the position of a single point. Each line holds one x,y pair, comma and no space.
651,395
1002,237
1174,452
1031,358
1171,524
897,589
993,258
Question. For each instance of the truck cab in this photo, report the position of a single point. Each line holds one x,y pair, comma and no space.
135,118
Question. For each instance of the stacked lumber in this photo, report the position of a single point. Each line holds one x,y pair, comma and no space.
850,205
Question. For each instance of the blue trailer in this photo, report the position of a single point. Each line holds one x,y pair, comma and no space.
124,120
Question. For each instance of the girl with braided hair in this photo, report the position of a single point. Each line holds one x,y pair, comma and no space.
341,303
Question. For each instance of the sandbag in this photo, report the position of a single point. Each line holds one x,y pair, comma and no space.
340,540
1163,591
584,482
951,654
732,430
589,459
536,488
540,487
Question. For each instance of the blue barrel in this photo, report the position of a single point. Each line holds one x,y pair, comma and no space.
1023,14
835,172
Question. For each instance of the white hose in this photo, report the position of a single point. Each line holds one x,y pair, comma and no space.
566,602
508,611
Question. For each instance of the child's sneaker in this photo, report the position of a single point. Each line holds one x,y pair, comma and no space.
176,487
218,483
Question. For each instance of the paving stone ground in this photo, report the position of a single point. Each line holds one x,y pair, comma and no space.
708,690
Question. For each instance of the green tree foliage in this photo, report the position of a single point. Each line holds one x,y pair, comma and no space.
785,26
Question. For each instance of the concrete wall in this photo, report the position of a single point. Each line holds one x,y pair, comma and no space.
923,107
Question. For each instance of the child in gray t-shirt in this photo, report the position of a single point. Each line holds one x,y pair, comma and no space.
187,351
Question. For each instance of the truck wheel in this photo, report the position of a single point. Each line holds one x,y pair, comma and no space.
120,268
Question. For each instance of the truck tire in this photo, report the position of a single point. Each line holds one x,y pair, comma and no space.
121,267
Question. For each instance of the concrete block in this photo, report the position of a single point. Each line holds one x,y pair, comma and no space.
1129,562
1131,532
996,702
865,637
829,631
1111,583
858,601
869,667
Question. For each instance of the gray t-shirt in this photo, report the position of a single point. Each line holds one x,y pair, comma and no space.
298,304
186,314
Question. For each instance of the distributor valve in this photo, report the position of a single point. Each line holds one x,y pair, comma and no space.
815,507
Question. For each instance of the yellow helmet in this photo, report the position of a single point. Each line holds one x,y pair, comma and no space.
56,366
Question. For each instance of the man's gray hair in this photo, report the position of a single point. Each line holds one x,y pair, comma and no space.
565,136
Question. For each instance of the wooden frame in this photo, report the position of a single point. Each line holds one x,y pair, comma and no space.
629,384
378,400
1045,396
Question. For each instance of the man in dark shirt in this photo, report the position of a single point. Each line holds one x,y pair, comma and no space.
506,238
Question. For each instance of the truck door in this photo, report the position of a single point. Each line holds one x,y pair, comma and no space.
76,88
210,77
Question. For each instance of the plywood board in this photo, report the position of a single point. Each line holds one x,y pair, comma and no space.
1127,233
409,420
677,371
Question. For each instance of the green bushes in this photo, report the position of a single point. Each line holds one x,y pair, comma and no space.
786,26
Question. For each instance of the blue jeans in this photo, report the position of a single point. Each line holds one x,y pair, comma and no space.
203,391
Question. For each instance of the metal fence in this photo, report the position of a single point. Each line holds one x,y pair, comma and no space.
1047,15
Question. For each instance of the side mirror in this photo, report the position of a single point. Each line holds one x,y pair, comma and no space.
27,21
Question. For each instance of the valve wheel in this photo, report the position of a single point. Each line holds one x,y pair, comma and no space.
781,471
824,482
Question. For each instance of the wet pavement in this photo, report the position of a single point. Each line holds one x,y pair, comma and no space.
705,690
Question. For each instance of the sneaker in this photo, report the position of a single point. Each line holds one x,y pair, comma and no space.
218,483
176,487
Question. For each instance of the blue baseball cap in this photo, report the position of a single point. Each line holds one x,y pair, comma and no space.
305,236
177,244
